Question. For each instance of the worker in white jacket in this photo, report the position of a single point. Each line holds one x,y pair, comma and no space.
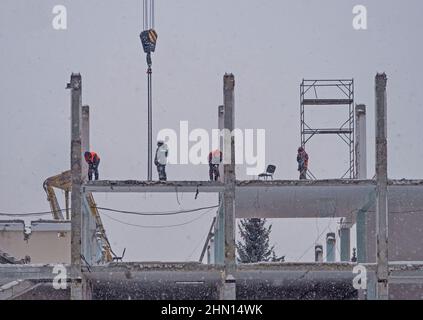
160,160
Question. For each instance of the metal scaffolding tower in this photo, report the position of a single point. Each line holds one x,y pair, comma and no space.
342,95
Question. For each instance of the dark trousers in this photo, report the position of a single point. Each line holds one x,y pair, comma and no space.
161,170
214,172
93,168
303,174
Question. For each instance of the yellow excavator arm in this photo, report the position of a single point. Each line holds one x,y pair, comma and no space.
60,181
63,181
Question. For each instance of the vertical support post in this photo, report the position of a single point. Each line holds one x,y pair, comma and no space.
87,219
221,126
220,223
361,173
381,188
76,172
210,252
229,288
361,236
78,286
85,138
219,245
345,235
371,291
330,247
360,142
318,253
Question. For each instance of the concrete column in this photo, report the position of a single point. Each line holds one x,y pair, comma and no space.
344,235
361,173
79,285
85,138
210,252
229,180
361,236
330,247
219,244
318,253
228,291
76,171
371,291
221,126
88,222
381,188
229,170
360,142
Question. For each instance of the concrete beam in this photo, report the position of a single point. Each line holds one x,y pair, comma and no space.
286,198
30,271
152,186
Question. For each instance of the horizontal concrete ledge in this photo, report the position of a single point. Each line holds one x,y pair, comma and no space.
299,266
29,271
157,266
152,186
398,270
325,183
214,186
406,279
303,183
405,182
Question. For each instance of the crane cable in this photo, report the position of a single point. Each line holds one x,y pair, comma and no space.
148,14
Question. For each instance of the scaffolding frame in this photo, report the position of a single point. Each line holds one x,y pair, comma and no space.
345,131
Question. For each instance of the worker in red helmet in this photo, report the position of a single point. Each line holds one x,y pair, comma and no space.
93,161
302,159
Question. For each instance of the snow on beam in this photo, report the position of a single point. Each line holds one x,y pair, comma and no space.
299,266
303,183
155,266
152,186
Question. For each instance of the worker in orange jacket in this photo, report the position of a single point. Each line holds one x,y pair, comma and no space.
93,161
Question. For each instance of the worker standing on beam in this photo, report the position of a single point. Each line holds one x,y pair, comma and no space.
93,161
215,158
302,159
160,160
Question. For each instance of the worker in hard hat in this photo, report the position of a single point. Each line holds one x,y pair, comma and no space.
302,159
93,161
160,160
215,158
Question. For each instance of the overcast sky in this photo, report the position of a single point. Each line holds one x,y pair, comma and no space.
270,46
